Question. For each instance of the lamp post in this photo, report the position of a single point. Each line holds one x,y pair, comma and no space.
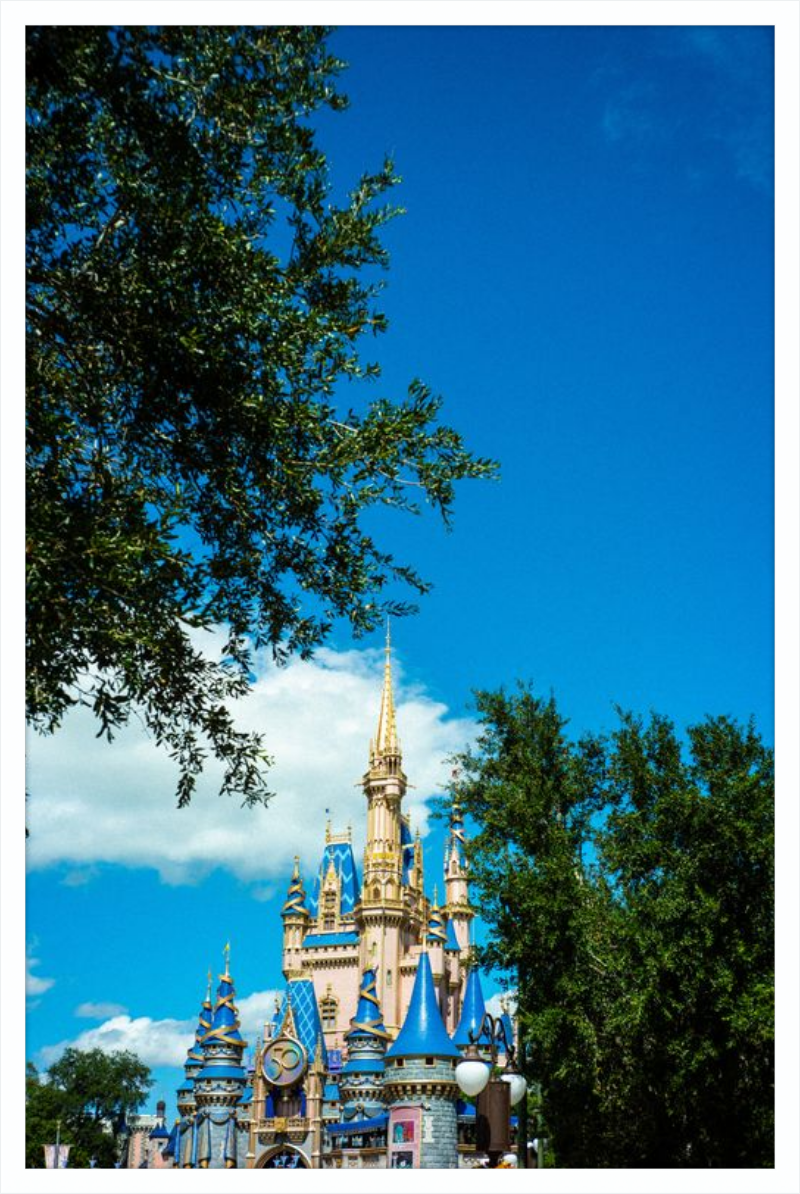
495,1095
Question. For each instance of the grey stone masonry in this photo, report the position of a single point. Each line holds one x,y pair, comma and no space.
434,1089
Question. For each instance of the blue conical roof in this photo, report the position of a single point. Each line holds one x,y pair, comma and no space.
473,1009
437,934
423,1032
508,1026
195,1055
368,1020
225,1024
171,1147
295,896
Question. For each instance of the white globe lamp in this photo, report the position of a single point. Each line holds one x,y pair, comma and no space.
472,1075
517,1087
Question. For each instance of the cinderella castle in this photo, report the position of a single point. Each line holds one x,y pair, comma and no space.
356,1068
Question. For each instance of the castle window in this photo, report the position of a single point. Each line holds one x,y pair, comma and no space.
328,1009
329,923
430,1061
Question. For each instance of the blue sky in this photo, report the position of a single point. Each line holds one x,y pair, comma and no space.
585,273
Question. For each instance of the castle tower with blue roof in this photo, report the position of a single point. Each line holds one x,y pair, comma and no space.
361,1084
220,1084
195,1058
295,917
420,1085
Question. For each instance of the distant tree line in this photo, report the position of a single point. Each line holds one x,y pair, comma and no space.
86,1096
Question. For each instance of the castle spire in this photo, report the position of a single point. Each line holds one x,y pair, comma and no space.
423,1032
385,743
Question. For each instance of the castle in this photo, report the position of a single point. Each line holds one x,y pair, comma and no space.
357,1066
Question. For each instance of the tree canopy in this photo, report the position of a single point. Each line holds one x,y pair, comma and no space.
628,883
90,1093
196,300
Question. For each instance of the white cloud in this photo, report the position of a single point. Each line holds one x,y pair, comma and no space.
99,1011
157,1042
92,802
34,983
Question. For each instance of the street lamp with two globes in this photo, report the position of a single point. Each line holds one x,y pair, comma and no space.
495,1096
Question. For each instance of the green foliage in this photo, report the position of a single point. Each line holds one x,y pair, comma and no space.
194,302
629,886
90,1094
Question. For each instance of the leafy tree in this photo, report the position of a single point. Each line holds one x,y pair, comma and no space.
195,302
629,885
91,1093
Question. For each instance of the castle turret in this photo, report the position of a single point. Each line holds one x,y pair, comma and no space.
419,1084
195,1058
459,909
362,1075
295,917
220,1084
436,936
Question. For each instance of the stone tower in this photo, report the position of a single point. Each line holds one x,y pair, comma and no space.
420,1086
295,917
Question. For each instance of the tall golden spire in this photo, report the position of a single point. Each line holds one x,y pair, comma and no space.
386,737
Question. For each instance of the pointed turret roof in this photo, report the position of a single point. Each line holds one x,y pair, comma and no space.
385,743
455,841
423,1032
224,1028
296,895
368,1020
473,1009
451,941
195,1055
437,934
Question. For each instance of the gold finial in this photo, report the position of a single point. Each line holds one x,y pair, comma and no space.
328,831
227,953
208,991
435,895
296,871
